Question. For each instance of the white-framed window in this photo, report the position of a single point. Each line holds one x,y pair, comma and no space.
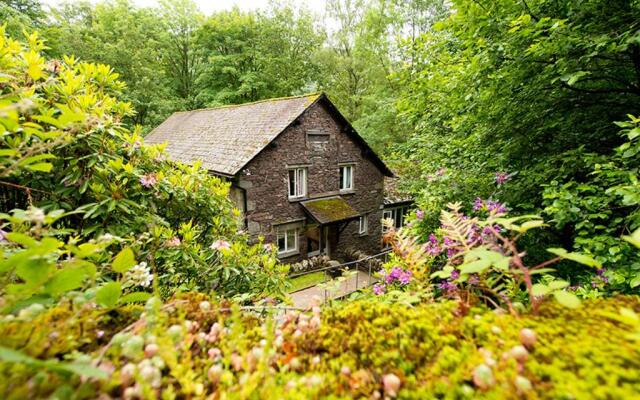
396,214
386,214
287,241
297,182
363,227
346,177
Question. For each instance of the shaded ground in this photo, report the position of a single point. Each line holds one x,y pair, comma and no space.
304,298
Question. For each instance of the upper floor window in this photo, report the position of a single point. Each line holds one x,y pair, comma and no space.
346,177
297,182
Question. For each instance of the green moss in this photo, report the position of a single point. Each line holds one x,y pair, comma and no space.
581,354
331,209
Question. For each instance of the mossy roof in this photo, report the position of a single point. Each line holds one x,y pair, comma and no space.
328,210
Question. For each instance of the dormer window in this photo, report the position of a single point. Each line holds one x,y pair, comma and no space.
346,178
297,183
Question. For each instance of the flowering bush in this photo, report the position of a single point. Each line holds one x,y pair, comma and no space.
99,199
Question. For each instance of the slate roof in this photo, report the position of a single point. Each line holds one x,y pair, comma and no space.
393,194
329,209
226,138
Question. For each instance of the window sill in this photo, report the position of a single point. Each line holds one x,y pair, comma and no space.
347,191
289,253
296,199
363,234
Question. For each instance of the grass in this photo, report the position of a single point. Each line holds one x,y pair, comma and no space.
305,281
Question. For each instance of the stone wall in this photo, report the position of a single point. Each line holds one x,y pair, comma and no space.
265,180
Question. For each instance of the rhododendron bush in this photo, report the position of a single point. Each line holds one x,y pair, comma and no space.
88,206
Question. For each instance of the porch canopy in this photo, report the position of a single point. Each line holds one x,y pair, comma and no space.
329,210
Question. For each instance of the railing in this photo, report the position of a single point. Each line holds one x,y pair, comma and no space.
350,284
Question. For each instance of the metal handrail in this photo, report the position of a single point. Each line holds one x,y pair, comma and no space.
339,265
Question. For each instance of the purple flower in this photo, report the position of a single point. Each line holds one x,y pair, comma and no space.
452,252
388,279
378,289
601,271
496,207
473,280
501,177
455,274
419,215
432,248
395,272
478,204
405,277
447,287
3,236
148,180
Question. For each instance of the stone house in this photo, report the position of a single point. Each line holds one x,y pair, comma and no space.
302,176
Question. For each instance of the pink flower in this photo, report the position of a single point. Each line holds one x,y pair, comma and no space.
220,245
441,171
148,180
419,215
378,289
501,177
432,247
173,242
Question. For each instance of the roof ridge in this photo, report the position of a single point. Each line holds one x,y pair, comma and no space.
314,95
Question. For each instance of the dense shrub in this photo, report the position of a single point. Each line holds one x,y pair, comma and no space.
85,188
191,347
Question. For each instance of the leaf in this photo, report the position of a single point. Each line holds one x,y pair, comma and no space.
109,294
634,238
22,239
635,282
539,289
475,267
66,280
123,261
559,284
41,167
135,297
567,299
34,271
83,369
530,225
15,356
445,273
577,257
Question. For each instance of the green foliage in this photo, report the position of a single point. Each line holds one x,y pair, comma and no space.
95,190
246,54
195,347
602,206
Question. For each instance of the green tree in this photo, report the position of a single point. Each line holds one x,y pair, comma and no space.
131,39
182,19
257,55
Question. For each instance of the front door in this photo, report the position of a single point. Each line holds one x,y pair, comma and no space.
321,240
